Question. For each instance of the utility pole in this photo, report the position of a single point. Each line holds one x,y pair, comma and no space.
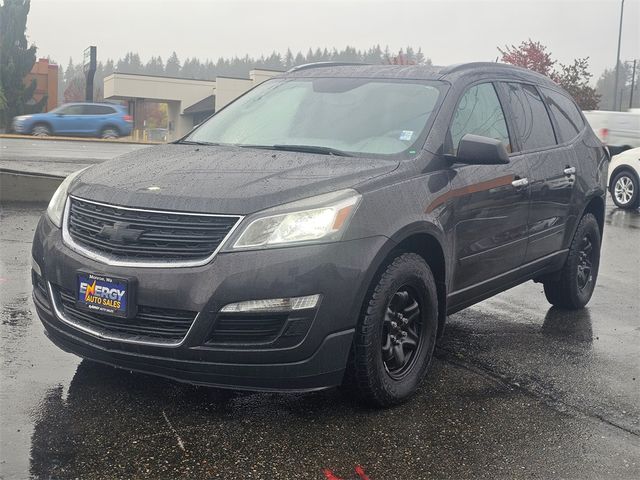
633,85
615,84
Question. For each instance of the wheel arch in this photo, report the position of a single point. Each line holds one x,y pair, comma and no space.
107,126
619,169
595,206
424,239
46,123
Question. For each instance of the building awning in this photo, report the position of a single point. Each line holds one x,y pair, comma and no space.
205,105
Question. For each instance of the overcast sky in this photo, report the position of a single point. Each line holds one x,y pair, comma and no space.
448,31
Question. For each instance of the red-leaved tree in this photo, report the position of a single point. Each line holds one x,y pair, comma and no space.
574,77
531,55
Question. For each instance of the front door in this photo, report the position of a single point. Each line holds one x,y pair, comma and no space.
490,203
70,119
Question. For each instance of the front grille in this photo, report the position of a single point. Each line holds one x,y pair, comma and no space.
247,328
141,235
150,323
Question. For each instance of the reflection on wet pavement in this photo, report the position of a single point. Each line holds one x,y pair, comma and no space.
517,390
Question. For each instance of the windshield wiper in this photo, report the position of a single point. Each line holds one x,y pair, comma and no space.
302,148
313,149
192,142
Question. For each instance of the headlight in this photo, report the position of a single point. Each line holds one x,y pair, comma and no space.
317,219
56,204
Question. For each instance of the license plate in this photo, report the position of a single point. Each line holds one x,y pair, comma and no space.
104,294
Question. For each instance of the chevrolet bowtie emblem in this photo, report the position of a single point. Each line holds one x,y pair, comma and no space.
120,232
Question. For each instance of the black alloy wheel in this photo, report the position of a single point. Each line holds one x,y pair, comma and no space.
401,337
585,262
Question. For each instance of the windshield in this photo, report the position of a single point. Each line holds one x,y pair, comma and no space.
331,115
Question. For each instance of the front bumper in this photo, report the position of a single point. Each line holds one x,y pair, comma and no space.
311,356
19,126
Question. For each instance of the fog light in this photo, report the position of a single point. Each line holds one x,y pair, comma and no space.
273,304
36,267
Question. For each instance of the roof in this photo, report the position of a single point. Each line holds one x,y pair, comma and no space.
207,104
418,72
161,76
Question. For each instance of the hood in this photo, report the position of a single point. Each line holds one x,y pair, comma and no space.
33,116
228,180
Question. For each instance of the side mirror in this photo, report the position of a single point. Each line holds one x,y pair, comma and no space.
477,150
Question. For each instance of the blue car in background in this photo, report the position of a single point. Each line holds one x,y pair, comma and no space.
104,120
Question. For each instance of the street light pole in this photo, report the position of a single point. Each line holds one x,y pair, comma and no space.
633,85
615,84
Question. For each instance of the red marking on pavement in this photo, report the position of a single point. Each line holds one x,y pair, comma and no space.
329,474
361,474
332,476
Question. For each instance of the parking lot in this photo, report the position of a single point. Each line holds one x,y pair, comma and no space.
517,390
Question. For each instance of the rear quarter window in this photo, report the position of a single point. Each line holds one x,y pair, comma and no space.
566,114
532,123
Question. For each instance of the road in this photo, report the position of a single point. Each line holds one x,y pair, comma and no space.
58,156
517,390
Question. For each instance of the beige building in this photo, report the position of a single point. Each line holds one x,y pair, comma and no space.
189,101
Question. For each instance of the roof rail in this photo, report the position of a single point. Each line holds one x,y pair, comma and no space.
307,66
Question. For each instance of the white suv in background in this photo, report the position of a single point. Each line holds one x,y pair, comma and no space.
620,131
624,175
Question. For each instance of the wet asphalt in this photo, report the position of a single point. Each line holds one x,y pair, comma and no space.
517,390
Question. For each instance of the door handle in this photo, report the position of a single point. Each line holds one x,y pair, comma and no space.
570,170
521,182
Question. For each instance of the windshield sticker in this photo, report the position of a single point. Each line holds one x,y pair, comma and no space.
406,135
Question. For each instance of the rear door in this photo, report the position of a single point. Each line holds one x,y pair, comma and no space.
490,202
552,169
96,117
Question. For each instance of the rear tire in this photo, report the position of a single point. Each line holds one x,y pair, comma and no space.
577,280
625,190
109,132
41,130
396,334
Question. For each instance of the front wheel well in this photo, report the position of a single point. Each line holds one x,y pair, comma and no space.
44,124
430,249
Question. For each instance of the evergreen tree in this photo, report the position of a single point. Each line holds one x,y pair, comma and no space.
16,62
154,66
288,59
232,67
173,66
604,87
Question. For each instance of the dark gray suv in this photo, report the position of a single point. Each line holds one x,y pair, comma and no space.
318,230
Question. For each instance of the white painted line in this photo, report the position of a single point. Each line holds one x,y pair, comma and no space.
180,442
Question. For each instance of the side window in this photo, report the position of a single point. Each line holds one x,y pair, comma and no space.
97,110
566,114
532,121
72,110
479,113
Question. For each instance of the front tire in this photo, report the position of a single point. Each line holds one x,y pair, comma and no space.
396,334
41,130
577,280
625,190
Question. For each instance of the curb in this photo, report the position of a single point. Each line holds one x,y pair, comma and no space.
76,139
16,186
